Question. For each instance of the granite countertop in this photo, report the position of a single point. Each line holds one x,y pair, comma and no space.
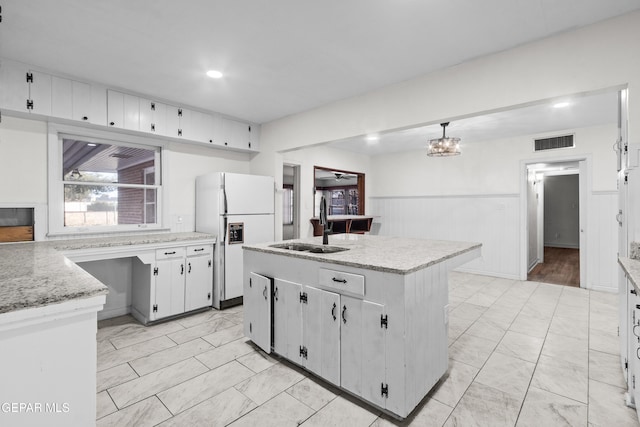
382,253
632,268
37,274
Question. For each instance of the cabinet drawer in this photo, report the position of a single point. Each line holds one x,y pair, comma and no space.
342,282
199,250
170,253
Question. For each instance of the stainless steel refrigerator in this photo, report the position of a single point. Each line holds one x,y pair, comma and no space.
238,208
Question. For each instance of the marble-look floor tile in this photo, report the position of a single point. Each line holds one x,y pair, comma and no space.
607,408
486,329
342,412
114,376
257,361
578,314
148,412
506,373
604,321
540,311
105,347
569,349
164,358
312,393
222,355
121,325
237,318
430,413
183,335
521,346
606,368
198,318
604,342
542,408
191,392
569,328
281,411
217,411
472,350
155,382
468,311
528,325
146,334
458,326
118,357
268,383
455,382
485,406
104,405
561,377
500,316
225,336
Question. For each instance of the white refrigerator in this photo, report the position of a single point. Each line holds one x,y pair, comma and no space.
239,209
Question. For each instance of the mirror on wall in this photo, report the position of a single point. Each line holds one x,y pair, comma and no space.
343,191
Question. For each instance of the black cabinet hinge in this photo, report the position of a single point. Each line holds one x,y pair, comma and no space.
179,132
29,77
384,390
29,104
153,106
209,295
303,352
250,284
153,127
384,321
209,263
155,308
155,271
626,364
249,128
179,112
626,179
633,381
303,297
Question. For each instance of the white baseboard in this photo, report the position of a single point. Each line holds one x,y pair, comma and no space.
487,273
113,312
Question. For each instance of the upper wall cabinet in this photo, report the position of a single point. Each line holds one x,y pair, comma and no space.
28,91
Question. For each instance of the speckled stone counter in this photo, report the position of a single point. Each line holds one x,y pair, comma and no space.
632,268
38,274
380,253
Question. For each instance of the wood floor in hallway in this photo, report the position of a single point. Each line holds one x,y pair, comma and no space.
561,266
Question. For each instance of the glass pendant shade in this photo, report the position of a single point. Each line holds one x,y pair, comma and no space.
445,146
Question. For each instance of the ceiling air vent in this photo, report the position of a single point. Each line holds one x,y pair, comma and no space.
554,143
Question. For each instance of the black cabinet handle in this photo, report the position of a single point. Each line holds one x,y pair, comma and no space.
181,268
339,280
112,123
264,293
633,291
344,314
333,311
189,269
85,118
198,250
170,253
275,294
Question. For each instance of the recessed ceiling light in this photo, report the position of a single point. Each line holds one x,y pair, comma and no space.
372,138
214,74
91,144
560,105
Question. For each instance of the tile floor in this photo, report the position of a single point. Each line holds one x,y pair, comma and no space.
521,354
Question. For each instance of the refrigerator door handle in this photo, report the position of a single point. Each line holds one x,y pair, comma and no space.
224,196
224,231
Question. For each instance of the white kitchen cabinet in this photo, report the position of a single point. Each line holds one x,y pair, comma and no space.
257,320
153,117
199,278
123,110
185,130
213,129
24,90
176,280
169,272
70,99
235,134
39,93
322,317
287,319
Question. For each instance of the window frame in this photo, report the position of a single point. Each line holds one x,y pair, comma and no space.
56,134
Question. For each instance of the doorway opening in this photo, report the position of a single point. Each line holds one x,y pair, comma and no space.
556,212
290,202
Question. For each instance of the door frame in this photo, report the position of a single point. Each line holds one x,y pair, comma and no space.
584,175
296,197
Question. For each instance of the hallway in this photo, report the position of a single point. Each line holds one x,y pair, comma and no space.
561,266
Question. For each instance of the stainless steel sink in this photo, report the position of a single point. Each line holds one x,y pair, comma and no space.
304,247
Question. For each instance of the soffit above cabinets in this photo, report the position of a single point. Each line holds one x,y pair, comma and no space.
278,58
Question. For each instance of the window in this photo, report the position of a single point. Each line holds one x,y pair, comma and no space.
103,185
287,205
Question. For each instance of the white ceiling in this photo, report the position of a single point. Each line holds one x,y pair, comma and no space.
582,111
279,57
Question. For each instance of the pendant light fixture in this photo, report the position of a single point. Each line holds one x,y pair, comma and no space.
444,146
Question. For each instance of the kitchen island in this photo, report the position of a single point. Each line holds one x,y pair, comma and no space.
368,314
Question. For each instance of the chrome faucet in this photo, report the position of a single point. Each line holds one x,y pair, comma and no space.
323,221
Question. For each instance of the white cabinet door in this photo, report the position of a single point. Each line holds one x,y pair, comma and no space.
81,105
362,354
634,349
14,89
199,282
169,290
40,93
235,134
115,109
213,129
257,312
321,333
287,319
184,123
61,98
153,117
172,121
131,112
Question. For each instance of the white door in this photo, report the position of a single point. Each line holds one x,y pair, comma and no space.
249,194
199,284
287,319
321,333
257,229
257,310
